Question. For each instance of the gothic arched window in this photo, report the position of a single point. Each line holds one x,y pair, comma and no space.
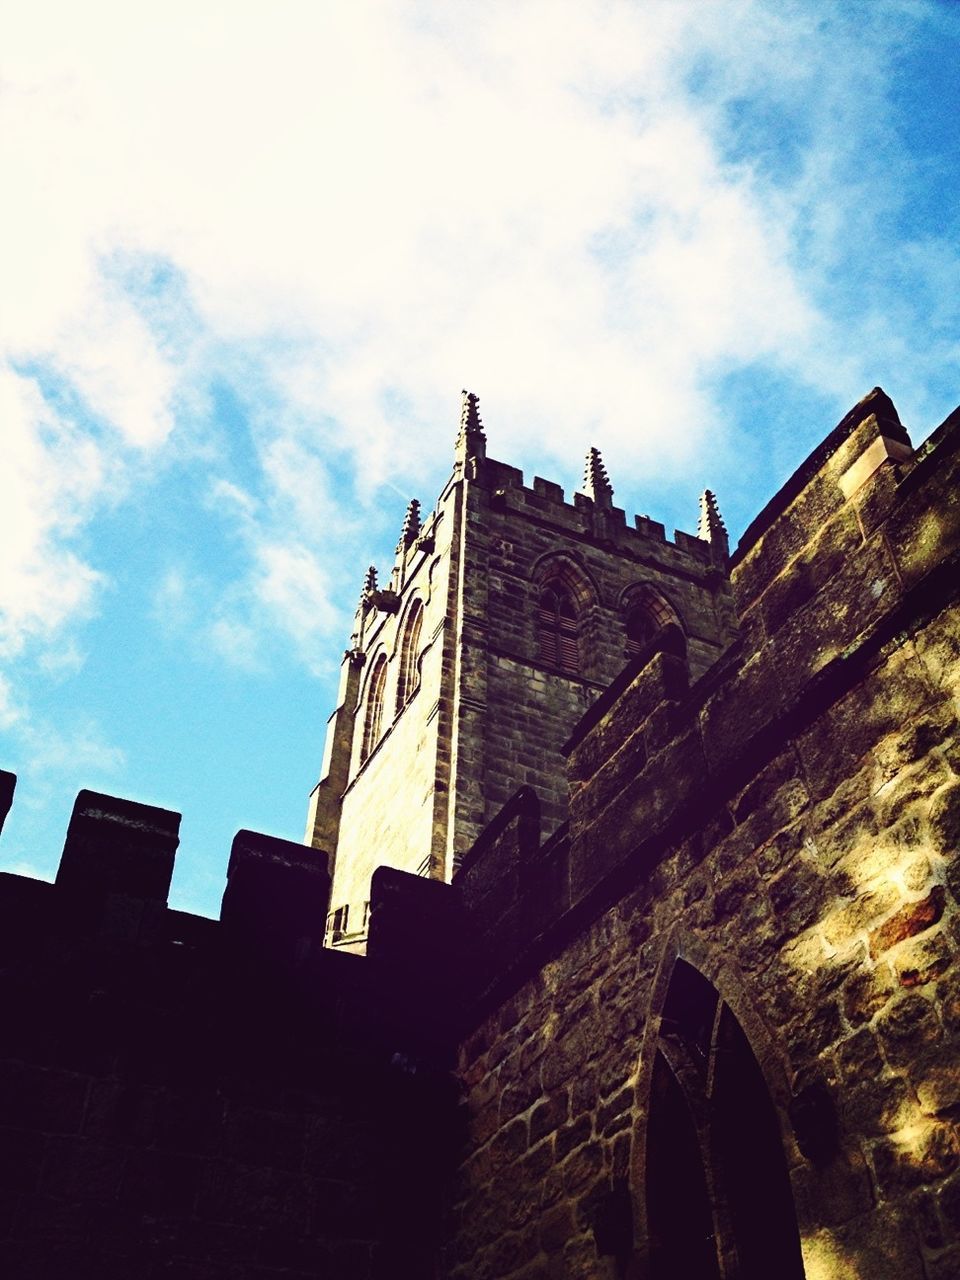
557,628
718,1191
646,613
373,716
408,677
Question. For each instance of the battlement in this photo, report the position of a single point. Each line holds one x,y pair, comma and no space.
114,877
583,517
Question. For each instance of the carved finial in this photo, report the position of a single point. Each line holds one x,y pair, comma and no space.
596,484
411,526
369,585
711,527
471,442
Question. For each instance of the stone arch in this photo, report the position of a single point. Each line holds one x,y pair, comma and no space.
561,566
710,1163
645,610
564,594
373,703
408,671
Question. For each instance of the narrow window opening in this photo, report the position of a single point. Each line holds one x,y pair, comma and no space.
408,677
718,1191
646,614
337,923
557,629
373,719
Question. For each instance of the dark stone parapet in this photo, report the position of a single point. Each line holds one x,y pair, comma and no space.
119,846
180,1095
277,893
876,405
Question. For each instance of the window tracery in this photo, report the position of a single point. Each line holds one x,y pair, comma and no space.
373,717
408,676
646,613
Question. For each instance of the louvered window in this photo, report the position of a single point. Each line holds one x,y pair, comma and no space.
645,618
373,719
557,621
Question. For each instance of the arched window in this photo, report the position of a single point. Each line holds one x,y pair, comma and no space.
408,677
718,1191
646,612
557,628
373,717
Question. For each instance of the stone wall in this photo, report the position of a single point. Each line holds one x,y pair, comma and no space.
391,807
516,710
204,1100
490,712
788,826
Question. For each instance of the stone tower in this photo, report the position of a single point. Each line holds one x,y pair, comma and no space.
506,612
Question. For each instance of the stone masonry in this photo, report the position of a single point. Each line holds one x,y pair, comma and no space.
787,827
490,710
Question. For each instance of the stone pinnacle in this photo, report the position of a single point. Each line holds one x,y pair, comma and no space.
711,526
596,484
471,442
411,526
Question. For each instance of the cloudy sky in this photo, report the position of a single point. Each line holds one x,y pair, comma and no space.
252,251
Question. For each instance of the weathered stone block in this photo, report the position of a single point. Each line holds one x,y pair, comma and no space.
277,891
846,920
556,1227
944,820
938,1085
582,1166
923,959
859,1055
907,1029
549,1115
117,846
911,919
915,1156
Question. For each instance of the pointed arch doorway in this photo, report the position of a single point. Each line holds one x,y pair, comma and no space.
718,1198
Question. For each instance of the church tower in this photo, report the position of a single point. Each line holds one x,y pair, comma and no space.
506,612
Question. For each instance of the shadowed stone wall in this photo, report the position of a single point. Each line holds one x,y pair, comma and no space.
788,825
204,1100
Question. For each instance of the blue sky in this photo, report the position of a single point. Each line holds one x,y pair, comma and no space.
252,252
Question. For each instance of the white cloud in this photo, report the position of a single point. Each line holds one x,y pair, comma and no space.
371,205
62,659
50,477
10,710
72,749
236,642
293,584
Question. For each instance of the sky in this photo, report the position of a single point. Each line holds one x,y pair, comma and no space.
251,253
